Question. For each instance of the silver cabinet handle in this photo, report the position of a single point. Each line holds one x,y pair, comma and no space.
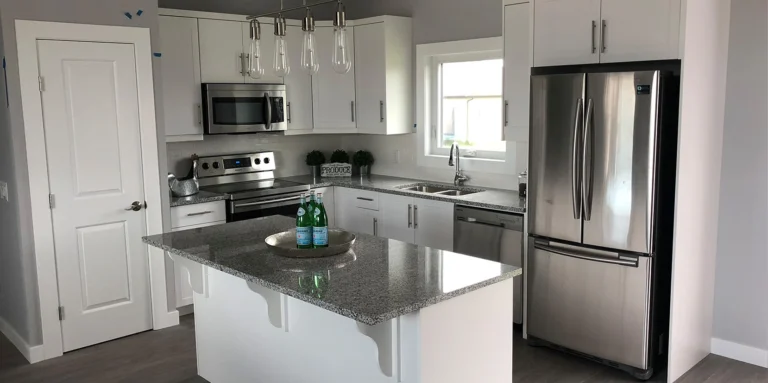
603,44
415,216
586,164
199,114
136,206
506,113
381,111
365,199
575,171
375,226
200,213
288,105
352,104
410,223
594,29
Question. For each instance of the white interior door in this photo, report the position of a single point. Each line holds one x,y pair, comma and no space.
93,145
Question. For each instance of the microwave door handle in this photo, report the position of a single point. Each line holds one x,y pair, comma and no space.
268,111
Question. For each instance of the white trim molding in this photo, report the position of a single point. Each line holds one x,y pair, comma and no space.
33,354
27,34
740,352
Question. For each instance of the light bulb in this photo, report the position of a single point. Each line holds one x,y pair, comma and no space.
255,69
280,63
309,62
342,62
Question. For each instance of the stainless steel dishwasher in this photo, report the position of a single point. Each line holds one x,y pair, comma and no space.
494,236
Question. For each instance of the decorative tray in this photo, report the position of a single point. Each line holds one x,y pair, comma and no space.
284,244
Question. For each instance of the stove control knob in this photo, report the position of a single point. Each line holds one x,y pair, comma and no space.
216,165
205,166
266,160
257,161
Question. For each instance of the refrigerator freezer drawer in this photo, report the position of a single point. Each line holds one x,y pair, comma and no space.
594,304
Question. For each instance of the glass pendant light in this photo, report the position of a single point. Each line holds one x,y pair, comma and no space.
309,62
280,63
255,69
342,61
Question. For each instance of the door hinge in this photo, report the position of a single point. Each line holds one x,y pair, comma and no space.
61,312
52,201
40,83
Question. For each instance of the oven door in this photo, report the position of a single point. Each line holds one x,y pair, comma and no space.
242,110
286,204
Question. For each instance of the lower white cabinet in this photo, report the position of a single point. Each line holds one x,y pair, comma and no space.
357,210
417,220
193,217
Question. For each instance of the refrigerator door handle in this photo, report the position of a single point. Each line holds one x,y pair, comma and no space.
587,163
618,260
576,198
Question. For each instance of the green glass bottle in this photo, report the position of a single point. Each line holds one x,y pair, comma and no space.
303,225
320,224
312,203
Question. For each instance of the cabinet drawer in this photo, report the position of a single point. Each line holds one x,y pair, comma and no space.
366,199
189,215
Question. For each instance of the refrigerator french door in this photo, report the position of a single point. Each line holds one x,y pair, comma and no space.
593,155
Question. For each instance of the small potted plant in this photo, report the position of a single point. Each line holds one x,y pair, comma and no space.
340,157
362,161
315,159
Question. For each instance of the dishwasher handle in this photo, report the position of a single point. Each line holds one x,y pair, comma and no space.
479,222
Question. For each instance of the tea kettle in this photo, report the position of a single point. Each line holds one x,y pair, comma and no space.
187,186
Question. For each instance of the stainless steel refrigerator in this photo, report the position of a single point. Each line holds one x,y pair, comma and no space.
599,203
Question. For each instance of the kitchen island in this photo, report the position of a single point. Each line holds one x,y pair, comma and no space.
386,311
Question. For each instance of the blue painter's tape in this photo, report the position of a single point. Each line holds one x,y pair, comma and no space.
128,15
157,54
139,12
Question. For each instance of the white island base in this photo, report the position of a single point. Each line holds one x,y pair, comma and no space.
248,333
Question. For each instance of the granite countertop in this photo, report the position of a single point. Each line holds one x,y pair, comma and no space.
379,279
495,199
201,197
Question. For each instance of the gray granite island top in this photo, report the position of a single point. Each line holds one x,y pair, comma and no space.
200,197
377,280
495,199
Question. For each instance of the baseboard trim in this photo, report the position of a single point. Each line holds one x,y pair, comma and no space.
740,352
33,354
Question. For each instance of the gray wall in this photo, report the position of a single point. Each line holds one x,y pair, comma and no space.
19,305
741,306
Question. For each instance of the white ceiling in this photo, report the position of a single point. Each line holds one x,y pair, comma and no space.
356,9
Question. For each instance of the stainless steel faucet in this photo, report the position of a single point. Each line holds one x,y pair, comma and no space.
460,178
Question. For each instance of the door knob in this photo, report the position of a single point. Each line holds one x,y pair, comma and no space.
136,206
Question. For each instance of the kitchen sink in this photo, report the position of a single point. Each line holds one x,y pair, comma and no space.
457,193
442,190
428,189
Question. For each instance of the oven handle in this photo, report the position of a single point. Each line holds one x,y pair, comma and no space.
268,107
259,203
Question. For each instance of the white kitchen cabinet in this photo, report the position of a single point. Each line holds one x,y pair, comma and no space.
180,63
329,203
417,220
383,59
566,32
333,94
357,210
640,30
517,71
221,48
298,84
267,44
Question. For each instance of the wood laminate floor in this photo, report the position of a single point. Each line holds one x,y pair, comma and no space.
168,356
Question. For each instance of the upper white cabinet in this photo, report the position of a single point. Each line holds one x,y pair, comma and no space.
568,32
640,30
221,51
333,94
180,63
383,56
517,71
298,85
267,44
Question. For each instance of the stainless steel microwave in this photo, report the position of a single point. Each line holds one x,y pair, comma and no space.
244,108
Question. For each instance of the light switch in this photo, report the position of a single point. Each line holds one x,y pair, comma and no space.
4,190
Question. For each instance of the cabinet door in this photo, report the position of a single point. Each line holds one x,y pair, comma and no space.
184,290
298,84
566,32
640,30
333,94
221,45
517,71
371,78
180,64
397,217
433,222
364,221
267,44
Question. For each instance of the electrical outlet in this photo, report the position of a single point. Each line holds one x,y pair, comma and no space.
4,190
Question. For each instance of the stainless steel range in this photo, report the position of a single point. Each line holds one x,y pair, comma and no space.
250,181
